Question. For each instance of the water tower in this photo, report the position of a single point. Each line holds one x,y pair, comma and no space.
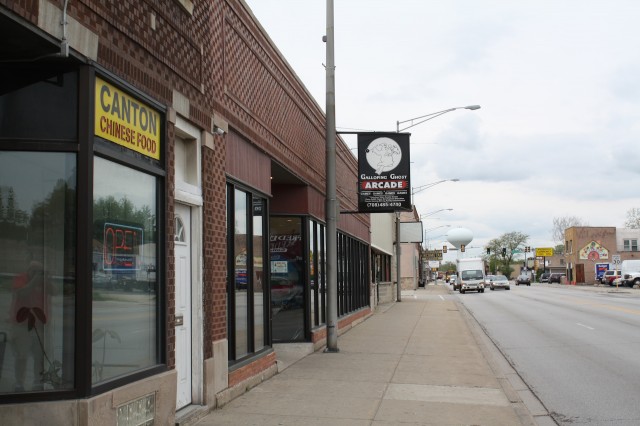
459,237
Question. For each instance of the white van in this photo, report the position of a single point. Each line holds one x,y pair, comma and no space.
630,272
471,274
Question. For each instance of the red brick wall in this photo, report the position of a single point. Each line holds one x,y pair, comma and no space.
222,63
214,245
343,323
253,369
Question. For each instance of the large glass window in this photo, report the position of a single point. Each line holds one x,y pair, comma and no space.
125,285
258,273
288,279
37,271
246,221
353,274
317,273
240,273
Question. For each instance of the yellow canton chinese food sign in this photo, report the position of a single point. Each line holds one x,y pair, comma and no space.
126,121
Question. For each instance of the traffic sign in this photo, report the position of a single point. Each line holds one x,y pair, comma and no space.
544,252
433,254
616,259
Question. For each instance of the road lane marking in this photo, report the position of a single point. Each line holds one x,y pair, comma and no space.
441,297
585,302
585,326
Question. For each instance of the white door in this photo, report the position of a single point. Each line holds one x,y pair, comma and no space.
183,304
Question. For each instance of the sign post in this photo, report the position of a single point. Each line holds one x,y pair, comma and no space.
544,252
616,261
384,181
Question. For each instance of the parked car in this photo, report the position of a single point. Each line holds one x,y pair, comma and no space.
500,281
524,279
609,276
630,272
555,278
618,281
544,278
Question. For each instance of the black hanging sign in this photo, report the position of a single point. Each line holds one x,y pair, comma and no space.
384,183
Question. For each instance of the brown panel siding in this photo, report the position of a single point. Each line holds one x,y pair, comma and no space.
246,164
290,199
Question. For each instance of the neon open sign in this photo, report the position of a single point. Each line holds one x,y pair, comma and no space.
122,247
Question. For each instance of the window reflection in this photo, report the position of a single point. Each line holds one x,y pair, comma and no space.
258,273
246,224
37,270
287,279
240,265
125,307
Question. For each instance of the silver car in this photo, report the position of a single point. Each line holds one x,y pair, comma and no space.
499,281
487,280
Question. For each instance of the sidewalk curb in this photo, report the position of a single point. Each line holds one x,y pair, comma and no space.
525,403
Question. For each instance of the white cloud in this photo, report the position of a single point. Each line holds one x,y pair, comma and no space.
559,127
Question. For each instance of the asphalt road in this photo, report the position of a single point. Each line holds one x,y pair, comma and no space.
578,348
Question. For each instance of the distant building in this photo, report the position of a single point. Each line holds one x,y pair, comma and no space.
586,247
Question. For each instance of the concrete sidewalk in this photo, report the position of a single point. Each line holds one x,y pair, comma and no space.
423,361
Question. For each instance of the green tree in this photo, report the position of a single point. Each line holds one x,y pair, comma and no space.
447,266
123,211
11,206
502,251
52,215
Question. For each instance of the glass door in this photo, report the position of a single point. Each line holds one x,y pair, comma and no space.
287,279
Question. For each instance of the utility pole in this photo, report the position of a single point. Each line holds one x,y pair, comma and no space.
331,207
398,252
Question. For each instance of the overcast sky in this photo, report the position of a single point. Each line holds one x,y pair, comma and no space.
558,83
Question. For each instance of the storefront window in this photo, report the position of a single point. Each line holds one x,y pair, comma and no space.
316,272
313,286
125,284
240,272
258,272
288,279
246,221
37,271
353,274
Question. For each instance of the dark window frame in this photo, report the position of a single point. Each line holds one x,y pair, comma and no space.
85,148
234,361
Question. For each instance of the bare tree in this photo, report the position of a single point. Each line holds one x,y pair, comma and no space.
562,223
633,218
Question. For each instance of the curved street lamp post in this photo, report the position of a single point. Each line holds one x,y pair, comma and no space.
434,212
421,188
431,116
422,119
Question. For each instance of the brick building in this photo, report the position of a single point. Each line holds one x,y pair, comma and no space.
586,247
161,210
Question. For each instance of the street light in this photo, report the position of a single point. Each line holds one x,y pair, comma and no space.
425,237
426,231
433,239
423,119
434,212
415,190
430,117
437,227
